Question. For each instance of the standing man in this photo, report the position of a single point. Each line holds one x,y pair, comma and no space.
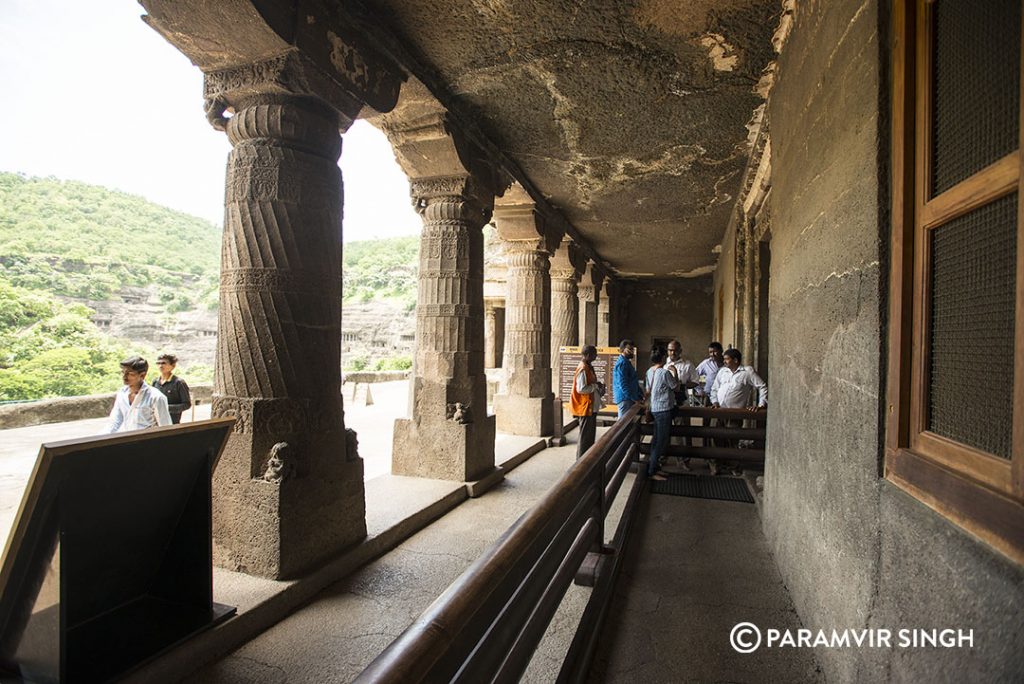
137,406
626,388
709,367
686,374
171,386
735,383
584,399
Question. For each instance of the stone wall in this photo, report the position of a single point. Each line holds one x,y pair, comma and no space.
678,308
855,551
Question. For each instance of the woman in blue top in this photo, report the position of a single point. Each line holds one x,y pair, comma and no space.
661,385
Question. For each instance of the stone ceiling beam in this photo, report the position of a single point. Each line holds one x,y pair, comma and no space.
247,48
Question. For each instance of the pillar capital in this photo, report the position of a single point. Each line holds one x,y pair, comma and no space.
313,48
523,224
568,262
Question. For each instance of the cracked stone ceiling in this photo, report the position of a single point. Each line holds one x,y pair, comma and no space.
628,115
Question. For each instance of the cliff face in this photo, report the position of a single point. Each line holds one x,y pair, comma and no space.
139,315
376,330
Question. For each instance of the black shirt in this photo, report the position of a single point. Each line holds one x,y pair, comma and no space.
178,398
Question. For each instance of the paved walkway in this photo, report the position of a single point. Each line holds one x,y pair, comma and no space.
346,626
696,569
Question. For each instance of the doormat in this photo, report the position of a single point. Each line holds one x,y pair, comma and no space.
704,487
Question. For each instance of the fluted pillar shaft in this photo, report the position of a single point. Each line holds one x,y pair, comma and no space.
288,489
449,435
604,320
565,308
490,337
527,344
588,295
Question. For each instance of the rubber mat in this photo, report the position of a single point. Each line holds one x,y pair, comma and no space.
704,487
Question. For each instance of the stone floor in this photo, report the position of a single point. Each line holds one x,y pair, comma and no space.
347,625
697,568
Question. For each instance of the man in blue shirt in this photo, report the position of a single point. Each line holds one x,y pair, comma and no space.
626,385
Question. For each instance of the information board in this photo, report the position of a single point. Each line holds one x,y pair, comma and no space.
569,359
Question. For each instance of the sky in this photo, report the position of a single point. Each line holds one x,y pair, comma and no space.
93,94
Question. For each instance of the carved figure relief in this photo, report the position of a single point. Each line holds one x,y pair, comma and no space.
459,413
279,466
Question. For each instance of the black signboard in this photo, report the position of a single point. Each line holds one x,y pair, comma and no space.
109,562
569,359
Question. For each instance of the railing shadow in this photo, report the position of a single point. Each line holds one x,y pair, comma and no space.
488,623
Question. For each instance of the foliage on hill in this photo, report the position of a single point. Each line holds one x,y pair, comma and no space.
64,239
88,242
382,270
52,349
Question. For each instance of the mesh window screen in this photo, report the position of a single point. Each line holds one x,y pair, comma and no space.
973,276
975,87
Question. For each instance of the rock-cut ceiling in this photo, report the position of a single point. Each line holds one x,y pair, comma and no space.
629,116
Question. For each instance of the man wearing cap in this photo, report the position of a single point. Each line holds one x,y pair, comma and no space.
137,406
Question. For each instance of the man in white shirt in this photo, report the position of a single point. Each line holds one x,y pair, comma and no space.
137,406
733,388
709,367
734,384
686,373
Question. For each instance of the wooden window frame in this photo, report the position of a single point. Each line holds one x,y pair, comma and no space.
979,492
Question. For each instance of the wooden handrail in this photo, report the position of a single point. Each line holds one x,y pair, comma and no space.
490,619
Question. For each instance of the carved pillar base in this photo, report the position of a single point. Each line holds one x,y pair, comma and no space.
518,415
444,451
279,528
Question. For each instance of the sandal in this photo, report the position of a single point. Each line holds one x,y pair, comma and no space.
658,477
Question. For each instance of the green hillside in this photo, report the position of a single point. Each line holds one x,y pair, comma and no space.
62,241
382,270
86,241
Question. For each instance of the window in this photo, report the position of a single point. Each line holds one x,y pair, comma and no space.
955,427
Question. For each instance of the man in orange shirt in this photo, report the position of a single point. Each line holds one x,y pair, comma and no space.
584,399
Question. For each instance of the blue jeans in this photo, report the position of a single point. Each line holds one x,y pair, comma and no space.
662,431
624,406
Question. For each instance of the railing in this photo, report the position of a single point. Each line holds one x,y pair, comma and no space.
487,624
720,434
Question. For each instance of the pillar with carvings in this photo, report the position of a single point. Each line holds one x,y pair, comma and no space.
490,335
525,406
567,265
288,489
449,436
589,296
604,314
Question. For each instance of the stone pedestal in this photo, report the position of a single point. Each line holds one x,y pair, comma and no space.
450,436
288,490
526,406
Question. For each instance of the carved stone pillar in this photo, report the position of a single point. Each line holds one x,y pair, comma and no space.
450,436
526,406
589,296
288,490
490,336
567,265
604,313
749,256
